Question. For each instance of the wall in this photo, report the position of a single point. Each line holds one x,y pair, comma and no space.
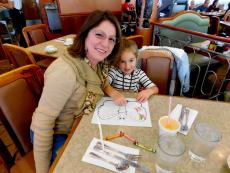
81,6
73,18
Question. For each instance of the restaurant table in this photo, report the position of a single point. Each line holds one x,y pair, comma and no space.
214,13
225,23
214,113
39,49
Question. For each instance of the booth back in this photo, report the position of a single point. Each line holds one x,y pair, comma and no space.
189,20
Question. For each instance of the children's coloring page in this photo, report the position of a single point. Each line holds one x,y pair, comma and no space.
131,114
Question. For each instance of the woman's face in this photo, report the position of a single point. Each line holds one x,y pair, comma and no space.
100,42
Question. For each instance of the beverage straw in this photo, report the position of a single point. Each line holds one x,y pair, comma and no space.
101,136
169,108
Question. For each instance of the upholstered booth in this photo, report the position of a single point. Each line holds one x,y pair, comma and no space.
189,20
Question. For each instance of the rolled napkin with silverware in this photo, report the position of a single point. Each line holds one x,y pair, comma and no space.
185,115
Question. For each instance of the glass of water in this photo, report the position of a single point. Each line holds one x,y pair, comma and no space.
204,139
170,150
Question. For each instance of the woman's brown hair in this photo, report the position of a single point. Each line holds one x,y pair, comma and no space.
93,20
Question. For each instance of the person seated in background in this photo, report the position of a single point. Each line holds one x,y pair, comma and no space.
213,7
124,76
4,12
128,12
14,8
165,8
203,7
192,4
221,7
227,13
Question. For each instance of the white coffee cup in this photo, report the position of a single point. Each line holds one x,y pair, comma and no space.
168,126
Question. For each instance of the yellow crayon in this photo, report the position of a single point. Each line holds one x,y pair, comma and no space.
145,147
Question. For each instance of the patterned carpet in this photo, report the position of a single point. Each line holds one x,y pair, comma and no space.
4,136
4,67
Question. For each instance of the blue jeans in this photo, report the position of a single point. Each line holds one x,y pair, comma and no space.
58,141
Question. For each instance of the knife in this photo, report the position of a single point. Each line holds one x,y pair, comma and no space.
131,163
181,117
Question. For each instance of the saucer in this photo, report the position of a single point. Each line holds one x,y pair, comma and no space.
50,49
68,41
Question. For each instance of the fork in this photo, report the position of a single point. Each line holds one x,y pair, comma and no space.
139,167
121,166
133,157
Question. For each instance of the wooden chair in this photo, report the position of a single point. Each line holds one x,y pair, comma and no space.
35,34
158,65
214,27
139,39
227,16
6,35
20,56
20,91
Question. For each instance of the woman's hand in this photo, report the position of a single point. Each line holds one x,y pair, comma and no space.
144,95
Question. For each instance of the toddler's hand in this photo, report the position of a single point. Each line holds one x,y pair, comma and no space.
119,99
143,96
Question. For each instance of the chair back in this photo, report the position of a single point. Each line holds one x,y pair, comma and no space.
227,16
139,39
4,32
18,56
35,34
214,25
20,90
158,66
189,20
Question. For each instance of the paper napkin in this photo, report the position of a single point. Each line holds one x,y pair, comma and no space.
192,116
87,158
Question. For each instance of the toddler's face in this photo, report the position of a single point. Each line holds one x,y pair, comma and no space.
127,63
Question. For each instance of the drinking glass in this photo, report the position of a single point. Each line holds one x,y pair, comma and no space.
170,150
204,139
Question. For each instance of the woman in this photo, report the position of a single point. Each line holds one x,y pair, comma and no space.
213,7
73,85
14,11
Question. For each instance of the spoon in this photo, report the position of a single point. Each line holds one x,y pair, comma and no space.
121,166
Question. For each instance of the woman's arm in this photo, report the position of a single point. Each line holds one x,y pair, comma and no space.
60,83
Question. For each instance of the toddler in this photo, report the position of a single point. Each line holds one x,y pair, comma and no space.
123,75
